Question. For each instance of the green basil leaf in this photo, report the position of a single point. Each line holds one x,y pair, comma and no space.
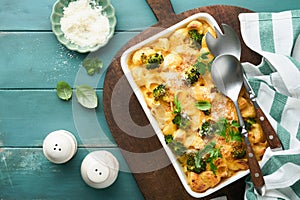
203,105
235,136
63,90
86,96
201,67
92,65
204,55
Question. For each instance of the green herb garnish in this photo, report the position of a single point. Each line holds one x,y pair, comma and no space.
86,96
180,119
228,130
195,163
203,56
177,106
209,154
63,90
203,63
177,147
204,106
92,65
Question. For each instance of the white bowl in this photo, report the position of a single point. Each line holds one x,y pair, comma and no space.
57,13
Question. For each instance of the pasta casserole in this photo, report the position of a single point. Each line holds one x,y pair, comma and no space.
199,124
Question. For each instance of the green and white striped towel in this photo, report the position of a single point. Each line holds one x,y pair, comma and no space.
276,82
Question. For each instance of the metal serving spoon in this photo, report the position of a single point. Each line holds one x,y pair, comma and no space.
225,43
227,75
229,43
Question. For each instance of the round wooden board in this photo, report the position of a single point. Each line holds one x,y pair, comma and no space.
153,172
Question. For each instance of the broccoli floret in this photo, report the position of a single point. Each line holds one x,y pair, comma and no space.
159,92
196,37
194,166
168,139
177,147
192,75
239,149
239,153
155,58
249,122
152,61
206,129
181,120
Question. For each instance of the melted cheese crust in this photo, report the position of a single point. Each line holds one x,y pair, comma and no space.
179,55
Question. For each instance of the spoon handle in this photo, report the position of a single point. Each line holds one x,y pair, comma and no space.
255,170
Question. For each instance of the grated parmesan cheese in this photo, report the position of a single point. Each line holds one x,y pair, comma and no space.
83,24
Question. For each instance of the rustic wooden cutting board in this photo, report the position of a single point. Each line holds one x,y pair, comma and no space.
130,127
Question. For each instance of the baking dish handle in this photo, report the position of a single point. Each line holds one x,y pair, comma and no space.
162,9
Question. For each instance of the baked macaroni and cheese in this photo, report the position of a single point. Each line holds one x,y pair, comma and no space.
199,124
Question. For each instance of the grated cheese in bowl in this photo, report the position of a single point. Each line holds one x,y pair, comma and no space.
83,24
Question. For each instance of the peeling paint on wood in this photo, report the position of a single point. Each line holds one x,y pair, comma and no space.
25,173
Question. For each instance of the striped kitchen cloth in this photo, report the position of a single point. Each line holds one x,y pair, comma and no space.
276,82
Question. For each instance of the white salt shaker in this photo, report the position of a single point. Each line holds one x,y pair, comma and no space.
59,146
99,169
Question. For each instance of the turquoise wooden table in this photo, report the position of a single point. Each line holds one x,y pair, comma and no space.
32,61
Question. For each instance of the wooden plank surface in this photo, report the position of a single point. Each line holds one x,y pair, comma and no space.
34,15
38,60
26,174
27,116
31,63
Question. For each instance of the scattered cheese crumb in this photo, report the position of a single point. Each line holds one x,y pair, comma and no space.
83,24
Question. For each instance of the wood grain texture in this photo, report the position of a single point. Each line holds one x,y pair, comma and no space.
270,133
34,15
255,171
27,117
31,62
45,180
163,182
38,60
28,15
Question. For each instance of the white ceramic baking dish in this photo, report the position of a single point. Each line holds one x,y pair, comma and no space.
124,60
